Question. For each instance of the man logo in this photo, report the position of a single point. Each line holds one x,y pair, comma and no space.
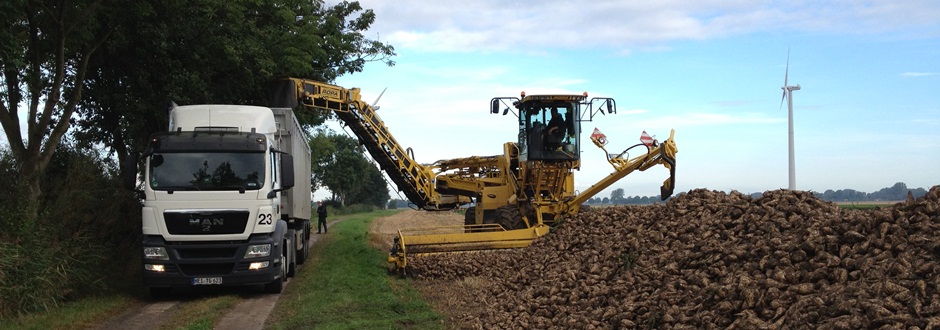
206,223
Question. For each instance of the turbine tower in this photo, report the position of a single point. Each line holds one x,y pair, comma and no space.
788,95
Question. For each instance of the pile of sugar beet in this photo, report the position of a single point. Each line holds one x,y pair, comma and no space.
708,259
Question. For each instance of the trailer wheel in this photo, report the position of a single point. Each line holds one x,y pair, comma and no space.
307,230
305,246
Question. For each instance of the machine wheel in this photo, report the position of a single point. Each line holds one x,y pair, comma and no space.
510,217
469,217
290,253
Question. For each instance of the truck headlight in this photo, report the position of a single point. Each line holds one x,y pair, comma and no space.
258,251
155,252
155,268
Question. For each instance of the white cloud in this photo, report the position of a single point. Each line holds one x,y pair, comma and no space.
492,25
919,74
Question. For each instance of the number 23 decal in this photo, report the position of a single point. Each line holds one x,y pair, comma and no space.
264,219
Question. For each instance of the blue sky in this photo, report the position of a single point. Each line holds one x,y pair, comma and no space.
868,114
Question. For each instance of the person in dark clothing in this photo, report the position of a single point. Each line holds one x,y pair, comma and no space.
556,130
321,217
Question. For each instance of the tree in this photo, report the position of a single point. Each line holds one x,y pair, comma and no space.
897,192
322,150
374,191
616,196
345,171
215,51
47,48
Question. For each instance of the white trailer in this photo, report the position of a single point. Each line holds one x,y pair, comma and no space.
220,202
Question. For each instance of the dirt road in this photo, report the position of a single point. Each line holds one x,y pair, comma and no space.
254,307
250,313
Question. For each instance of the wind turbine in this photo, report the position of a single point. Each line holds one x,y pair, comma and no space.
788,95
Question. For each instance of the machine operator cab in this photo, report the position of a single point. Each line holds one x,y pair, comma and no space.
550,125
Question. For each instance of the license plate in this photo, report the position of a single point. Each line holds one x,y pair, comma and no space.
207,280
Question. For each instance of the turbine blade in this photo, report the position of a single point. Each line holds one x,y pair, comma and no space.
374,104
784,97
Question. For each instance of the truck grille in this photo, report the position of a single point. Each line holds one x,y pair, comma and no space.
206,269
207,253
208,222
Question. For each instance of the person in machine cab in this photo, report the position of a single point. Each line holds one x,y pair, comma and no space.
556,130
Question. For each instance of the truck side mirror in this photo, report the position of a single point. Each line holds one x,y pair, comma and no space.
494,106
287,171
130,171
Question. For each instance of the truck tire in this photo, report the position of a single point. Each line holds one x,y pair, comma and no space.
277,285
291,252
305,249
307,230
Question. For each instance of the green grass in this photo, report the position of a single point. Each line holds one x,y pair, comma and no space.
201,313
84,313
345,285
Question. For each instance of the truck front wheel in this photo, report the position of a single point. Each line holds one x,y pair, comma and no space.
277,285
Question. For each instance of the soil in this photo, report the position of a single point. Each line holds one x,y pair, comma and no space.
385,229
446,296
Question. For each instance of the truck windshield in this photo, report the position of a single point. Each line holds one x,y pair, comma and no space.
207,171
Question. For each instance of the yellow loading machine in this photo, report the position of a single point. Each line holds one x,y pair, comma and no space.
513,197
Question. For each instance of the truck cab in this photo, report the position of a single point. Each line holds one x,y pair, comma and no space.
220,204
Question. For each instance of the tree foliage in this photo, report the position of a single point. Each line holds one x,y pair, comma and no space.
216,51
339,165
100,74
616,196
45,51
897,192
149,52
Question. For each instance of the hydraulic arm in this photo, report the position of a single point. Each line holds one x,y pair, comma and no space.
415,180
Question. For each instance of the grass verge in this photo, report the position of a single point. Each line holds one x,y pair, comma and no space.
201,313
84,313
348,287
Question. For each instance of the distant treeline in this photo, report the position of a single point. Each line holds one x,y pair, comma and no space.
897,192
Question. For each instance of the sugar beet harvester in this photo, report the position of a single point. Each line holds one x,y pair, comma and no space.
513,197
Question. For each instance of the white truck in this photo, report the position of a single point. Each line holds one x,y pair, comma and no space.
221,206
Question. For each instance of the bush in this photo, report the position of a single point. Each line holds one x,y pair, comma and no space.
351,209
82,241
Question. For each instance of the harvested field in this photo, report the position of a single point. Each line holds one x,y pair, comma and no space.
383,230
707,259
